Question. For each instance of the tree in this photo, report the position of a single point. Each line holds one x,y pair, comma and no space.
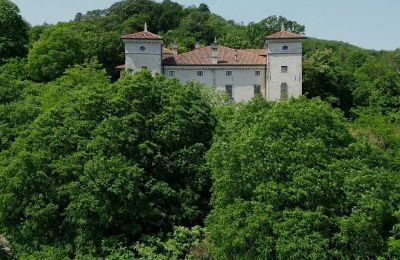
107,163
106,48
324,77
377,84
290,181
256,32
13,32
171,15
57,49
196,24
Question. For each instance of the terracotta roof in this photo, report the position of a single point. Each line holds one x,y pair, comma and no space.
142,35
226,56
285,35
259,52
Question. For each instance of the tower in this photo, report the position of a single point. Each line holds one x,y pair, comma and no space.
143,50
284,65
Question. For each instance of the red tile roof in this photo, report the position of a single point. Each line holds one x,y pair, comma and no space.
259,52
285,35
226,56
142,35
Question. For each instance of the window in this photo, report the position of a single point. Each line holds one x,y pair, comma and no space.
284,91
200,73
285,48
284,69
228,89
257,73
144,67
142,48
257,90
228,73
171,73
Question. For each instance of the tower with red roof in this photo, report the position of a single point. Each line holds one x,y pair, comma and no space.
284,65
143,50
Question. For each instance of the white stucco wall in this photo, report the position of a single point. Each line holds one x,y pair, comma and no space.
278,57
242,80
135,58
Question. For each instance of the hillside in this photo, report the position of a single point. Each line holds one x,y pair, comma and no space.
95,164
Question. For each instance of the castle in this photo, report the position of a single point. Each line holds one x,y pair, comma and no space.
274,72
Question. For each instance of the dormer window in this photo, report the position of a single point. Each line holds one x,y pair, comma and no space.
142,48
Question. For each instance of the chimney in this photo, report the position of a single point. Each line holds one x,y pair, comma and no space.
174,48
214,51
197,46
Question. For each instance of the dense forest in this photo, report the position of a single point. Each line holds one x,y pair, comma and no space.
95,164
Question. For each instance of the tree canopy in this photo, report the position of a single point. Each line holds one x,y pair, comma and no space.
57,49
95,164
120,161
13,32
289,180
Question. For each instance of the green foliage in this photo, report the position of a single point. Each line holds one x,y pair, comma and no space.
276,169
324,77
5,249
377,85
107,163
256,32
46,252
177,245
14,69
106,48
13,32
91,169
57,49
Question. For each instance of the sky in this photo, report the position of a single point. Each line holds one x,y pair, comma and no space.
369,24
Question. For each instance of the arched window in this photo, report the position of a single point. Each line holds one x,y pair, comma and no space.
284,91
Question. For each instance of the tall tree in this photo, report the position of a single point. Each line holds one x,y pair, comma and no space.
276,169
57,49
13,31
107,164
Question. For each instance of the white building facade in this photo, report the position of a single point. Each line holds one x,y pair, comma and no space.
274,72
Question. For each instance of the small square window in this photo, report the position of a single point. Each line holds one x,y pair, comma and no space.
171,73
144,67
257,90
200,73
284,69
228,90
257,73
228,73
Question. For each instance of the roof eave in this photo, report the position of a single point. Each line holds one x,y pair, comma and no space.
221,65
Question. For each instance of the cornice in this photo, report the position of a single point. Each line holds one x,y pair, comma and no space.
219,67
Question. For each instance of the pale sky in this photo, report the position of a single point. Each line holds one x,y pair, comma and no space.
369,24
